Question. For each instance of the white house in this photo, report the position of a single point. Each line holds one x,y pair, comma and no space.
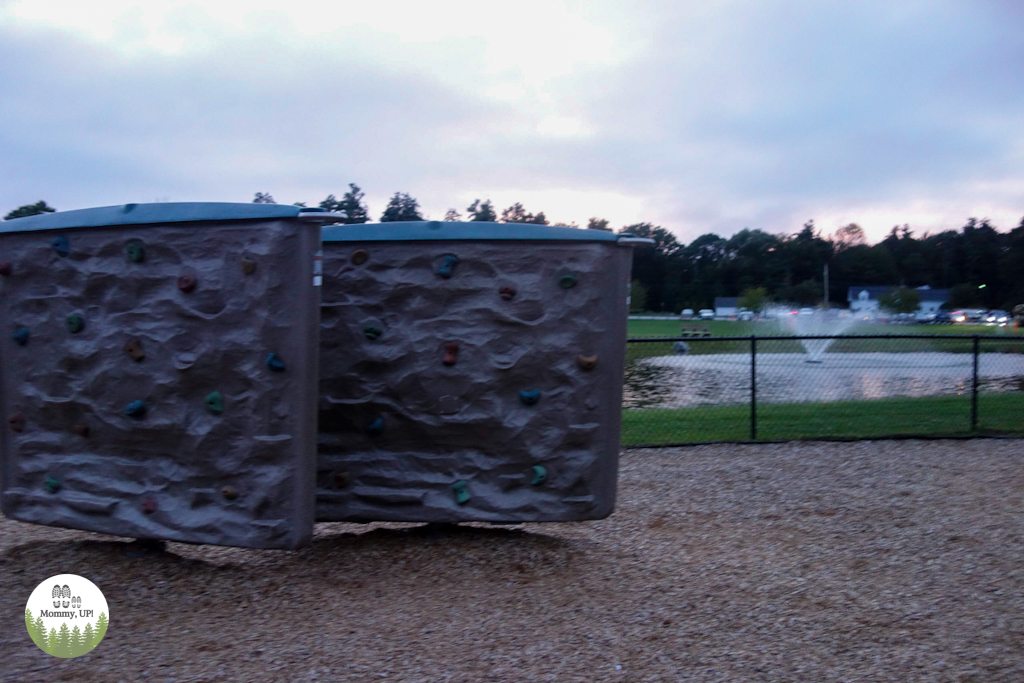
865,299
726,306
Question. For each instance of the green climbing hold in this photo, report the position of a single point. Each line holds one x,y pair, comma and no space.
215,402
135,409
135,252
540,475
52,484
60,245
531,397
75,323
448,267
372,332
567,281
275,363
461,491
21,336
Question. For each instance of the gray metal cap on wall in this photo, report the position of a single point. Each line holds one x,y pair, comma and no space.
409,231
166,212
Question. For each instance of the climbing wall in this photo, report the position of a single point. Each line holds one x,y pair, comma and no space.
159,381
471,380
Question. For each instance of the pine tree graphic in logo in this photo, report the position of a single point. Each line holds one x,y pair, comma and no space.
77,620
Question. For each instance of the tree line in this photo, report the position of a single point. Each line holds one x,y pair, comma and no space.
980,265
66,642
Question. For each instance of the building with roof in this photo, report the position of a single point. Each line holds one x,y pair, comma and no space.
865,299
726,306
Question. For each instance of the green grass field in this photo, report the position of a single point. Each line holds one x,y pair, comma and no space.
933,416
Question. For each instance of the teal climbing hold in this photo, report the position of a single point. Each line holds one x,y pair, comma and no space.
75,323
52,484
375,427
461,491
448,267
372,332
215,402
275,363
567,281
530,397
135,251
135,409
21,336
61,245
540,475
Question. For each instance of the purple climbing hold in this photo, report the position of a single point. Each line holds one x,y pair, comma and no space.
17,422
187,282
6,268
148,506
451,352
507,293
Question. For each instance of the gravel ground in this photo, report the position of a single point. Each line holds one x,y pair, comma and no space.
871,561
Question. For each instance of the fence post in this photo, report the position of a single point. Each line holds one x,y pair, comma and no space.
753,387
974,389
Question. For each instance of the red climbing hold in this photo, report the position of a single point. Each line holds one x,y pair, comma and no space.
6,268
17,422
451,350
507,293
187,282
148,506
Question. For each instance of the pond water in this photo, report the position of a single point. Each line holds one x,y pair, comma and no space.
684,381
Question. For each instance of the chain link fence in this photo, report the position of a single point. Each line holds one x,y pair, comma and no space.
705,389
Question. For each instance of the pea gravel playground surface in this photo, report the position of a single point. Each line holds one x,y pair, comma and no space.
870,561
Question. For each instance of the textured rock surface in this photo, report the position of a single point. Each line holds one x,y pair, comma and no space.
399,426
151,475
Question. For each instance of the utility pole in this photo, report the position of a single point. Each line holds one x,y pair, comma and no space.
826,285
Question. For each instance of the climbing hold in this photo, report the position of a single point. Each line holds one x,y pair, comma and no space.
52,484
134,350
375,427
21,336
135,251
17,422
183,361
567,281
461,491
135,409
148,506
507,293
530,397
229,492
372,332
60,245
215,402
446,268
586,362
540,475
187,282
248,265
275,363
341,480
6,268
359,257
451,350
75,323
81,429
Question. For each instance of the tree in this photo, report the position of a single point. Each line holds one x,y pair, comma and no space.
900,300
848,236
452,216
33,631
352,206
101,628
77,644
637,297
330,203
30,210
263,198
88,637
64,641
53,642
402,207
598,224
517,214
754,299
482,212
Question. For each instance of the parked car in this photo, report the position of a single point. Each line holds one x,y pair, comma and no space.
942,318
997,317
745,315
687,313
925,317
706,314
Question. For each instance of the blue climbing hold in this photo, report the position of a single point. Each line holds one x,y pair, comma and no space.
567,281
215,402
75,323
446,268
372,332
52,484
61,245
135,409
275,363
530,397
375,427
21,336
540,475
461,491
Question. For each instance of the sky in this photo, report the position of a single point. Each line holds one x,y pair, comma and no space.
705,116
